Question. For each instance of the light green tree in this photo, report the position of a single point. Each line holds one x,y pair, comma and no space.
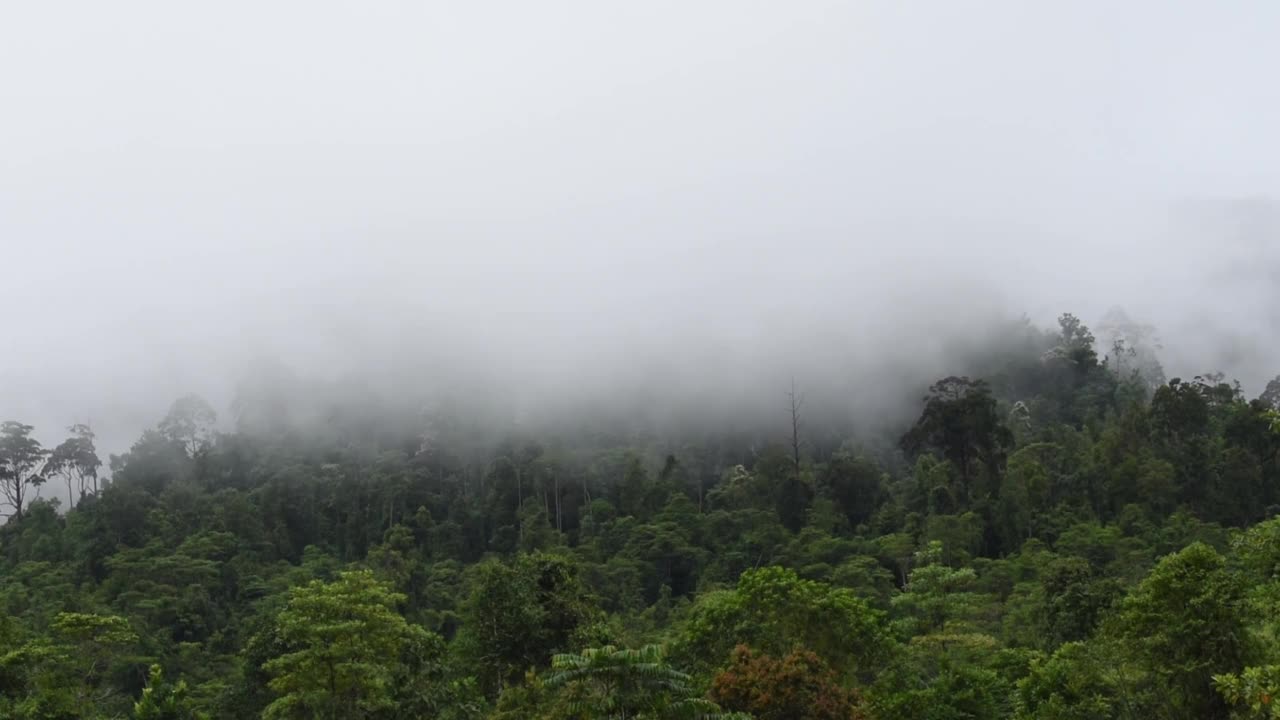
772,610
1252,693
344,642
620,684
162,700
937,597
70,669
1083,681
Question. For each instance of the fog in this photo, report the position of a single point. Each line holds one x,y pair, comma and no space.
619,201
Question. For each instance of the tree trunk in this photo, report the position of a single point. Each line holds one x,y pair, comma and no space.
555,481
796,402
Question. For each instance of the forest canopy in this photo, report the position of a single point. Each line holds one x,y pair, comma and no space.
1063,532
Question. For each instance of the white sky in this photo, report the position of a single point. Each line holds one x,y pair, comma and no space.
561,189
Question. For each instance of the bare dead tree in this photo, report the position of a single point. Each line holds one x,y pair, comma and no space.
797,401
555,483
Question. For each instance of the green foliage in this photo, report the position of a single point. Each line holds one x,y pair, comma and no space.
1185,623
76,461
518,615
936,597
189,424
1076,599
1080,681
610,682
1066,538
76,665
948,678
772,610
1252,693
162,701
962,423
22,459
343,641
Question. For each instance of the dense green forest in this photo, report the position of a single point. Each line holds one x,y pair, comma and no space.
1061,532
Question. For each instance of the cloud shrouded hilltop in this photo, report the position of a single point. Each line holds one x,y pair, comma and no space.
628,208
812,360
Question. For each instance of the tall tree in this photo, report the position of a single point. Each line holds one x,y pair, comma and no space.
796,402
1134,348
1271,395
190,423
960,420
22,460
343,645
76,461
1076,345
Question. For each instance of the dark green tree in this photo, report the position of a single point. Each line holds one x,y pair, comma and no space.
1075,598
518,615
854,483
1270,396
961,422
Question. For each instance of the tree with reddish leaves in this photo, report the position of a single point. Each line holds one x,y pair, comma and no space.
799,686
